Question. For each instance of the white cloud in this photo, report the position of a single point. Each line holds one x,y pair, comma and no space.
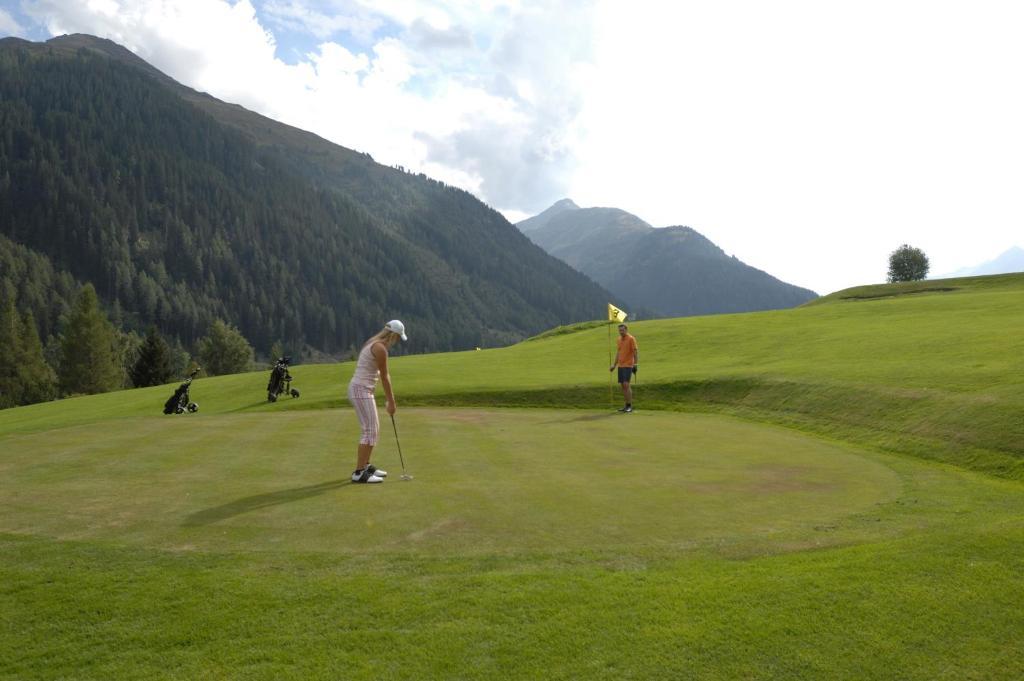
347,17
9,25
426,36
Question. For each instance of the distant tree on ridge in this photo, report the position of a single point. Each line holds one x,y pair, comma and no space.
907,263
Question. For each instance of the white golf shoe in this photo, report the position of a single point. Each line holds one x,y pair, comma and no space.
366,476
376,471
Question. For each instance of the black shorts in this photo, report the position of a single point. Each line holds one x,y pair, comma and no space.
625,374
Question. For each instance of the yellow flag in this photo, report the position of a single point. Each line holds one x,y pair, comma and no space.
615,314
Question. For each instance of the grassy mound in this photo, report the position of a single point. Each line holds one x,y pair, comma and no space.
963,285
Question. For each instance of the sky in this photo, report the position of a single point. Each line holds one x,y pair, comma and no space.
809,139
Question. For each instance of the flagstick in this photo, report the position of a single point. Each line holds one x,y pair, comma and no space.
611,399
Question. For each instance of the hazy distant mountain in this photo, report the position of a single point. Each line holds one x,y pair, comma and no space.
674,271
181,209
1010,261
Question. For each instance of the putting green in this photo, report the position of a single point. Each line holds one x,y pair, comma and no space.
485,482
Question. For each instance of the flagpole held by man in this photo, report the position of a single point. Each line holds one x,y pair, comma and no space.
614,315
626,356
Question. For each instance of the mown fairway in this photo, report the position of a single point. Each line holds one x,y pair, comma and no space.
553,542
485,482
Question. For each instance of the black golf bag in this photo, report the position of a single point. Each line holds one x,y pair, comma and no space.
280,380
180,402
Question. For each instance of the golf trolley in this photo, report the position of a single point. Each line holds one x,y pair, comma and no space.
280,380
180,402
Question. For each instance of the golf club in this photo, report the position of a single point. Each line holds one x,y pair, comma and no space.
405,476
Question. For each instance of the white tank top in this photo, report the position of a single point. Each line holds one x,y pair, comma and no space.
366,373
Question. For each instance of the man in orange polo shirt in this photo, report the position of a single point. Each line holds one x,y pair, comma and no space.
626,360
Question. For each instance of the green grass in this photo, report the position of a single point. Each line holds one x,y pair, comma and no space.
696,538
538,542
937,375
491,480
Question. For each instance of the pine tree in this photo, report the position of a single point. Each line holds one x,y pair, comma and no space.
88,357
37,378
127,345
155,365
10,388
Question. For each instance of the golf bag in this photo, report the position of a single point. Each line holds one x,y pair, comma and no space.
180,402
280,380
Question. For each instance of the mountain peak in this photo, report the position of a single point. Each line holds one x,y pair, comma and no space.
91,42
72,42
542,219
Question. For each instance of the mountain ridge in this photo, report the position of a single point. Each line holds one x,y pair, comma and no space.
675,270
1009,261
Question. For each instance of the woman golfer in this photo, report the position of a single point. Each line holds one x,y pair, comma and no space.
371,364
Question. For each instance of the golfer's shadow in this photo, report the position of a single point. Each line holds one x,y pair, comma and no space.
586,417
258,501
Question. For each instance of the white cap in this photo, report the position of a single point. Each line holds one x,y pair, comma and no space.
398,327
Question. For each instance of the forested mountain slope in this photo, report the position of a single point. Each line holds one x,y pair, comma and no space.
181,209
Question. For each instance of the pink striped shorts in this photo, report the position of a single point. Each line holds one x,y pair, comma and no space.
361,398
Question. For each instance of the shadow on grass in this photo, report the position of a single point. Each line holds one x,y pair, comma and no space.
246,407
585,417
258,501
289,405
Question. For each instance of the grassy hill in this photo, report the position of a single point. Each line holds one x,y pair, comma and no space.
564,540
934,369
